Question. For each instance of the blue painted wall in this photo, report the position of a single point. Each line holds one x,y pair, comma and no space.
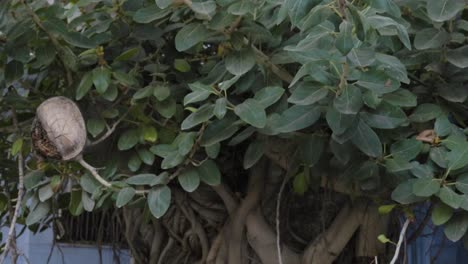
37,249
432,243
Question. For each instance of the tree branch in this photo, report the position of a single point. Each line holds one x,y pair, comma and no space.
400,241
12,232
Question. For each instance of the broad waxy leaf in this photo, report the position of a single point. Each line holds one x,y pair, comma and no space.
159,199
189,179
201,115
430,38
240,62
125,196
449,197
406,149
269,95
344,40
425,187
141,179
443,10
458,57
441,214
456,227
386,116
367,140
349,101
128,139
307,94
254,152
425,112
149,14
252,112
209,173
404,193
38,213
190,35
296,118
101,79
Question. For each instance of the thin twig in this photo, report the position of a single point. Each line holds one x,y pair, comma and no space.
400,241
12,231
278,207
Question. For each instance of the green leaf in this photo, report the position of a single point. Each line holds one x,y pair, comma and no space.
442,126
128,139
181,65
462,183
141,179
196,96
383,239
339,122
84,86
361,57
150,134
76,205
124,78
134,163
401,97
209,173
13,71
450,198
386,116
164,3
406,149
458,57
190,35
166,108
307,94
297,9
251,112
349,101
430,38
425,112
159,200
38,213
219,131
172,160
386,209
161,92
425,187
45,192
441,214
240,62
146,156
378,82
254,152
128,54
220,108
88,183
201,115
344,40
443,10
403,193
88,203
204,8
185,142
456,227
33,178
17,146
367,140
269,95
101,79
297,117
149,14
458,157
189,179
125,196
213,150
392,66
95,126
383,23
143,93
300,183
78,40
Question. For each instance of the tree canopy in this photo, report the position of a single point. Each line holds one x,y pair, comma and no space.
367,98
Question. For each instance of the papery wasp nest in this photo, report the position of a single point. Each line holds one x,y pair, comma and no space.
58,131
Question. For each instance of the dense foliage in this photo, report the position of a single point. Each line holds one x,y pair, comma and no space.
371,93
